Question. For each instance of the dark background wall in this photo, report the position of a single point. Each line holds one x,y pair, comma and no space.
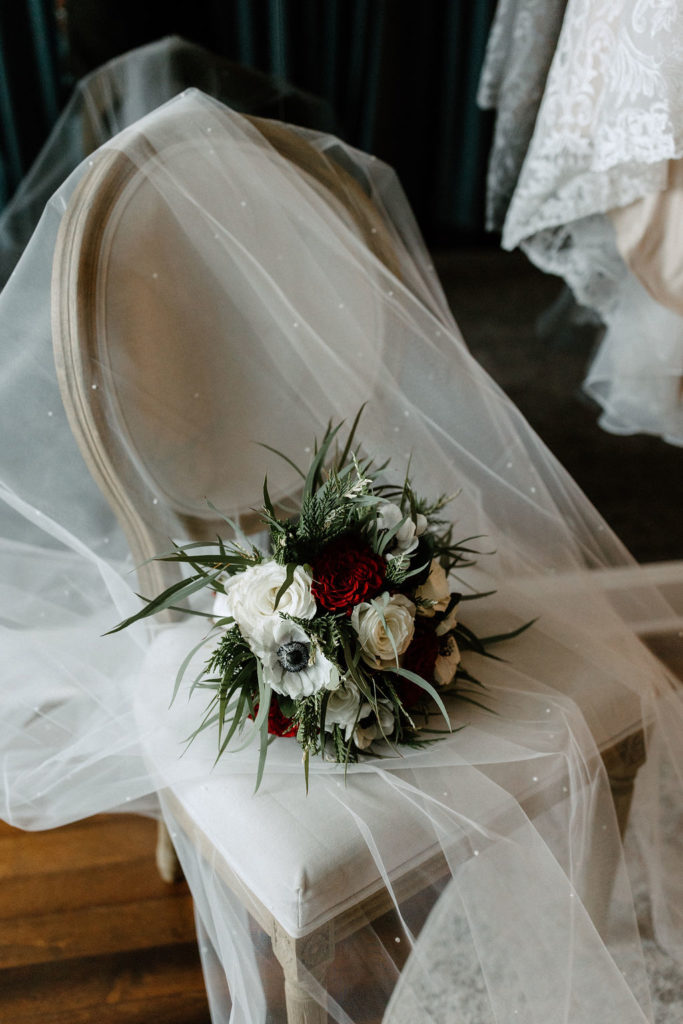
32,85
400,77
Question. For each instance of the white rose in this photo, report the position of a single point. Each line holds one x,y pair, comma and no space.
220,609
385,628
292,663
434,590
379,728
250,597
405,539
447,663
344,708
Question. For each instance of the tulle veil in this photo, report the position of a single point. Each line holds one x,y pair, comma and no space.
304,321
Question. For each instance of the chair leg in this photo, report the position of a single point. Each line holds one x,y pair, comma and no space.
168,864
310,955
622,763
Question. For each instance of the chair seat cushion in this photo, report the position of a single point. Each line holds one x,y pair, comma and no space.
308,857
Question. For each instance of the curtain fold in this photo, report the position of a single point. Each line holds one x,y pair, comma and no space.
401,81
31,89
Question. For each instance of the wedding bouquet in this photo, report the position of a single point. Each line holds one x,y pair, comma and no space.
346,634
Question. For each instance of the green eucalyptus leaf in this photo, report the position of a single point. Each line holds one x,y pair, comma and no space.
184,664
414,678
178,591
500,637
286,458
289,577
352,433
317,463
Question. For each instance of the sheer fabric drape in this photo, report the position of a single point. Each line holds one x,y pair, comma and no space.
299,308
120,92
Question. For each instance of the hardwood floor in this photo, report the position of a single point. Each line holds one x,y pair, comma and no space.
89,934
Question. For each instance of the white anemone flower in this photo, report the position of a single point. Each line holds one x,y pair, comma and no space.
381,726
405,539
345,708
292,663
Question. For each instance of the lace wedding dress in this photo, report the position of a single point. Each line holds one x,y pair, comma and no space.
590,99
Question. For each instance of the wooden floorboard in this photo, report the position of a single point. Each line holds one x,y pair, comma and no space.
165,1010
106,840
125,986
98,930
89,934
96,886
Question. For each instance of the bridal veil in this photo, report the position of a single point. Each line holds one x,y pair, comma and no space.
262,275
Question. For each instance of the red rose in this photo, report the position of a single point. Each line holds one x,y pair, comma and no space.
345,573
278,724
420,658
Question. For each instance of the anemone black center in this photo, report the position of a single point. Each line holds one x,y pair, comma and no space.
294,655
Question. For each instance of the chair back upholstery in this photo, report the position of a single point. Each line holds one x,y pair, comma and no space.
159,449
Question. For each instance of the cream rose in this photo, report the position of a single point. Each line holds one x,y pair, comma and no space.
250,597
434,590
385,628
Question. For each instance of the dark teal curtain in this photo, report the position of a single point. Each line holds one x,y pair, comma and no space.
31,86
402,79
400,76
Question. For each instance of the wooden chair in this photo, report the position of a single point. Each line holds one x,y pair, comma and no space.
341,888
